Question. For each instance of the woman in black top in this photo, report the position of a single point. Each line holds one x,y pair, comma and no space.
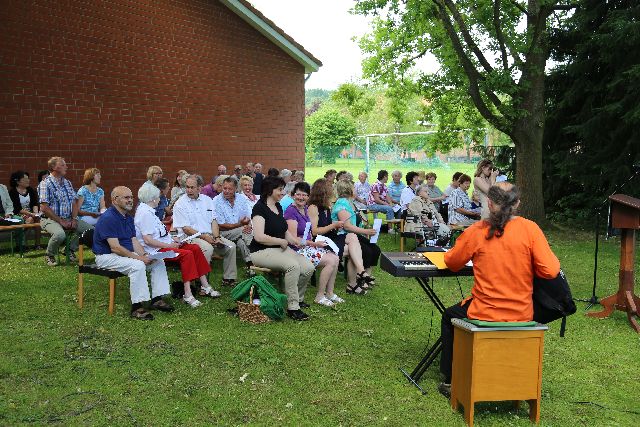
270,246
24,197
347,243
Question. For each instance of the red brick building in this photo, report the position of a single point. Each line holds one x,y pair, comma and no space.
125,84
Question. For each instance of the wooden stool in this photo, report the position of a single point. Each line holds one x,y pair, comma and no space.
496,363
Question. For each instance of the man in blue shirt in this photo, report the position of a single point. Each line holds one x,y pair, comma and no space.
233,214
116,248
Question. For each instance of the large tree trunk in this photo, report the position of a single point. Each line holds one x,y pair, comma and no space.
529,173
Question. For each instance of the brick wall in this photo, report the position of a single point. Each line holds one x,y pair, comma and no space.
124,84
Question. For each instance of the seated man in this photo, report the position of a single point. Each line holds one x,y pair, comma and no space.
194,213
59,210
233,215
117,249
507,252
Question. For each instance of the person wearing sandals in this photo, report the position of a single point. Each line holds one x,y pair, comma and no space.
344,210
297,217
117,249
270,246
153,236
90,197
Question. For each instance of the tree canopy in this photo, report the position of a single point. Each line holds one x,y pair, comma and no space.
492,54
593,126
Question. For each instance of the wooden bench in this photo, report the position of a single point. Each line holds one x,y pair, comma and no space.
20,229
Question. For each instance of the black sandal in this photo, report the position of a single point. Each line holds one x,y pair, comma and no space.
141,314
357,290
365,281
162,305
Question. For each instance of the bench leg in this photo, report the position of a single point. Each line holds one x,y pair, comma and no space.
80,289
112,294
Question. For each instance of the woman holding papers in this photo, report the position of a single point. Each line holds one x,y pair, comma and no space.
344,210
155,238
299,223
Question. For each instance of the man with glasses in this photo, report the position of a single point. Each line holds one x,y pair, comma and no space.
233,215
194,213
237,171
117,249
59,211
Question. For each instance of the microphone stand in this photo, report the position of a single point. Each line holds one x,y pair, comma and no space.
594,299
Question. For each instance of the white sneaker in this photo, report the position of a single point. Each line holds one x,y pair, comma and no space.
336,299
325,301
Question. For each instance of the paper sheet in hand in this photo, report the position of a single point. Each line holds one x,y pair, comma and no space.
396,208
377,223
186,239
17,221
307,228
163,255
437,258
330,243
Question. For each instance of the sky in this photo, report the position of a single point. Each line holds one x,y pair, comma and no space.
325,28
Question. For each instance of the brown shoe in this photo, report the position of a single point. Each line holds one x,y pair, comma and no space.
141,314
228,282
162,306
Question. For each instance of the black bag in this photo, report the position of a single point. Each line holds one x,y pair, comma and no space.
552,300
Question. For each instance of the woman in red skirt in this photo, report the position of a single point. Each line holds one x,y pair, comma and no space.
154,237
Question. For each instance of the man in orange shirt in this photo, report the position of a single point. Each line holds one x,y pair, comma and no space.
507,252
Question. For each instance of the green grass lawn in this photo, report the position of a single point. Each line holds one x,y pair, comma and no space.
66,366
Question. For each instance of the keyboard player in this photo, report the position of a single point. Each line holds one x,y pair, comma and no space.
507,251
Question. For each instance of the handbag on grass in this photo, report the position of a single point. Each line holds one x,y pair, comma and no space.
272,303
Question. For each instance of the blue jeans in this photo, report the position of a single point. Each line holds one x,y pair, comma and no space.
386,209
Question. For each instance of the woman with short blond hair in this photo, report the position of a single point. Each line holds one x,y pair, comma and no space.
90,197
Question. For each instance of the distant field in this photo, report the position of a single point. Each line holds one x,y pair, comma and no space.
444,171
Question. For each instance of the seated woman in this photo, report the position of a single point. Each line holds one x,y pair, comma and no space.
425,215
90,197
435,194
484,178
163,211
348,244
154,237
178,188
507,252
297,217
345,211
246,188
270,246
24,197
460,211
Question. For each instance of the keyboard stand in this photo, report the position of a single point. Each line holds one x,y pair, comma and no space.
436,348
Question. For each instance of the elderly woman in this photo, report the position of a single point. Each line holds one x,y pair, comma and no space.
90,197
484,178
344,210
362,190
24,197
435,194
396,186
422,213
214,188
246,188
297,216
270,246
153,237
460,210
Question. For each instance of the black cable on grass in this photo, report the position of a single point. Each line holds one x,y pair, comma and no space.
586,402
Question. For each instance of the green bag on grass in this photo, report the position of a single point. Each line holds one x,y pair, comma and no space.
272,302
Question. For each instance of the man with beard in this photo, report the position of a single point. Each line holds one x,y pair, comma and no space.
117,249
